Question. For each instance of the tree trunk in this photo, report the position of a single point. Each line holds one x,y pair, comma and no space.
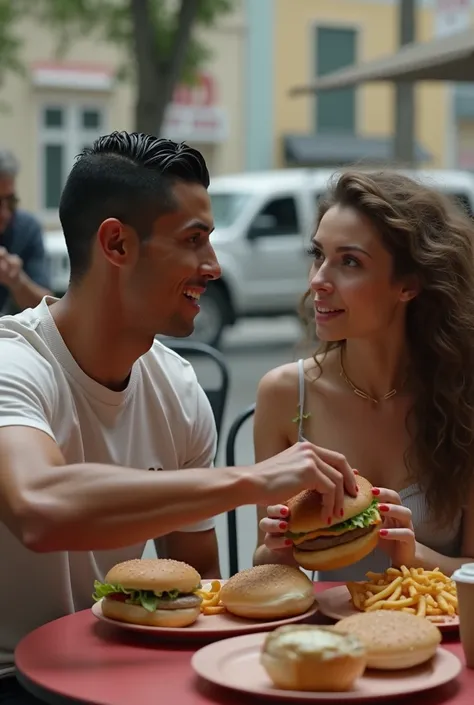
157,76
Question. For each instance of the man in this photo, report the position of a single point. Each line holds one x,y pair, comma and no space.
87,394
24,275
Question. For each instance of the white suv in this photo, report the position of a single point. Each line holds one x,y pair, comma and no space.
263,223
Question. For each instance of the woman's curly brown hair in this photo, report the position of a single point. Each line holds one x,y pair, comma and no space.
431,237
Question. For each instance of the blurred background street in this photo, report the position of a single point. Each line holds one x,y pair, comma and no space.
278,95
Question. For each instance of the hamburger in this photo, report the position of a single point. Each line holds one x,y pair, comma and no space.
268,592
318,546
311,658
151,592
394,640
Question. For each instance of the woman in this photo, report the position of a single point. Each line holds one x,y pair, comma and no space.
392,386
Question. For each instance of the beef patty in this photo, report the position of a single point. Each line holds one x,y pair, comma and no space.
323,542
183,602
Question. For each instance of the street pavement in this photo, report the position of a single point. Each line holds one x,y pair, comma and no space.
251,348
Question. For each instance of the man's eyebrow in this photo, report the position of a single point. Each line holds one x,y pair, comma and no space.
198,225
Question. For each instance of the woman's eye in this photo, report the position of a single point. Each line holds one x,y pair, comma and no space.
316,253
350,261
194,239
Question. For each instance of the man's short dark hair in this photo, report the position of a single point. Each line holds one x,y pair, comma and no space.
123,175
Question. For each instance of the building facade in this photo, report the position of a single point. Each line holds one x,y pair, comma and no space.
60,106
311,38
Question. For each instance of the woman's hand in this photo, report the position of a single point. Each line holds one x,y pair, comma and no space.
275,525
397,536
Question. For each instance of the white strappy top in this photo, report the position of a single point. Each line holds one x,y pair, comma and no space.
446,541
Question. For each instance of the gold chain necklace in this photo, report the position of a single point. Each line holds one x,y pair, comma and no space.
360,392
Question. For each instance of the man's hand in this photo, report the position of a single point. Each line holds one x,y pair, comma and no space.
11,268
305,466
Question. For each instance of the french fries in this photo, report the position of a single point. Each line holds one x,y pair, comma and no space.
425,593
211,599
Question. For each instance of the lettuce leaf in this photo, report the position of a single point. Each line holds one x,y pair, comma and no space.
144,598
360,521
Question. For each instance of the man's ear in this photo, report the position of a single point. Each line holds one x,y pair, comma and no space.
117,242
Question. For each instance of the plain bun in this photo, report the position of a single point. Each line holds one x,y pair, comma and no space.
156,574
268,592
394,640
134,614
338,556
311,658
306,508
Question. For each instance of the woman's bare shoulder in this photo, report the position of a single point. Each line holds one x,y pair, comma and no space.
283,380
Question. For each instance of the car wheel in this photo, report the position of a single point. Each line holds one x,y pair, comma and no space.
213,317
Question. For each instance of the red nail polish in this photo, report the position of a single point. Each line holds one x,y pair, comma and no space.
375,491
356,472
283,525
329,520
383,508
383,532
288,542
341,512
284,511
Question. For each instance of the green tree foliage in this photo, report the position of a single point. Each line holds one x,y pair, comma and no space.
158,38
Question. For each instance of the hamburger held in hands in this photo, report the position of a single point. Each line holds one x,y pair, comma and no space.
318,546
153,592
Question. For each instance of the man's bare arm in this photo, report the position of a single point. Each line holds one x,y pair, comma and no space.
51,506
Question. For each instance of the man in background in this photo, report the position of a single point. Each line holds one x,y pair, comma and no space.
24,275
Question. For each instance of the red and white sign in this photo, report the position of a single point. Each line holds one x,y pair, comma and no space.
451,16
194,114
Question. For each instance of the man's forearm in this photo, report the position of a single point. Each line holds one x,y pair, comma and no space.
99,507
26,293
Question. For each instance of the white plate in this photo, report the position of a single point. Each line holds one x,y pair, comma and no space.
210,625
336,603
235,663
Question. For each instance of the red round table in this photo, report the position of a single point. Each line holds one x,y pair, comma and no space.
77,659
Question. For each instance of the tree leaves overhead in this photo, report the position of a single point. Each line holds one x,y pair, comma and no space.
156,38
111,21
10,41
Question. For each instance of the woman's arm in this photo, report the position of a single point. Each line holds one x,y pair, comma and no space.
429,559
274,404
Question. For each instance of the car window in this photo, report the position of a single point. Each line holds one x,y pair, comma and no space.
278,217
227,207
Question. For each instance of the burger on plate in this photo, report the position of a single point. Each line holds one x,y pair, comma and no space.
313,658
268,592
151,592
318,546
394,640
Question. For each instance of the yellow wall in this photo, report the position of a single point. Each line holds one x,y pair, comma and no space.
378,36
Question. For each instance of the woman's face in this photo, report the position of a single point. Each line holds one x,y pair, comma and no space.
351,280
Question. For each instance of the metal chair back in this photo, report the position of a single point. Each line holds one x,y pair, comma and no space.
217,395
232,536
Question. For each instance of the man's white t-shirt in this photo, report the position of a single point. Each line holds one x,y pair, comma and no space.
162,420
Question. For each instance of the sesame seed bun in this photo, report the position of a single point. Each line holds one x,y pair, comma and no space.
394,640
306,508
339,556
268,592
318,546
156,574
134,614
